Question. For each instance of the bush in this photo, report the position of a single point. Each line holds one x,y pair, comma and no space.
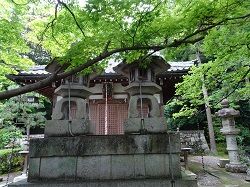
16,161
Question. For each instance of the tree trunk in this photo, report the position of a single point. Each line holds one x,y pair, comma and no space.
208,112
209,120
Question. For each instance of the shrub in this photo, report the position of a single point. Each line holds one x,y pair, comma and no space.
16,160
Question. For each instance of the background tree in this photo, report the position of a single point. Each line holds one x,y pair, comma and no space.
225,75
18,115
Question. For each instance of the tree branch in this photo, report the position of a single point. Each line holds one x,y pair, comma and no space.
51,24
196,35
72,14
140,21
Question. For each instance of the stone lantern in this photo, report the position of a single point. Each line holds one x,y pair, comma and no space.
144,114
228,129
71,113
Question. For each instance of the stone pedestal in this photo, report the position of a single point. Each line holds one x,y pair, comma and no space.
227,114
115,160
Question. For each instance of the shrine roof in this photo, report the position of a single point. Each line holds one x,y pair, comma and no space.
35,70
181,66
40,70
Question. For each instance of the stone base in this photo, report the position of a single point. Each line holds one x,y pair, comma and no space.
114,157
151,125
113,183
65,128
222,163
236,168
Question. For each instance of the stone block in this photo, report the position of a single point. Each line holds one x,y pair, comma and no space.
139,166
34,168
176,165
154,165
66,128
147,88
152,125
122,166
59,168
88,167
94,167
105,145
80,91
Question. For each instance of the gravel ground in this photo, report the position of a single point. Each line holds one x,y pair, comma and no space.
11,177
210,165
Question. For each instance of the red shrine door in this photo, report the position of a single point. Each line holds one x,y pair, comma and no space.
115,112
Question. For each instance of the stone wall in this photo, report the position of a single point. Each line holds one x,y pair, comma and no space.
111,157
194,139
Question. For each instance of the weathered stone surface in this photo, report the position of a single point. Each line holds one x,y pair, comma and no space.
93,167
139,166
104,145
59,168
194,139
151,125
113,183
122,166
155,165
133,106
148,88
75,91
105,167
34,167
175,165
236,168
60,111
68,128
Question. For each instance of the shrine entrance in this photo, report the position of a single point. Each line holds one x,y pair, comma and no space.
108,119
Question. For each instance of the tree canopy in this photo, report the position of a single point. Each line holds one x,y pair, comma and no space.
87,33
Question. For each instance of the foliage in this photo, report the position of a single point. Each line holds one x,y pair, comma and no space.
16,160
8,135
220,138
12,42
17,110
174,121
222,149
78,32
225,72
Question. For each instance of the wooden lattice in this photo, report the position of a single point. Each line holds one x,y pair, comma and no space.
116,115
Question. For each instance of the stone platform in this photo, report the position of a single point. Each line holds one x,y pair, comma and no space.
109,183
113,160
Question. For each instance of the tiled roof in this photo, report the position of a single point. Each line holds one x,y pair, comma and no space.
35,70
180,66
175,67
